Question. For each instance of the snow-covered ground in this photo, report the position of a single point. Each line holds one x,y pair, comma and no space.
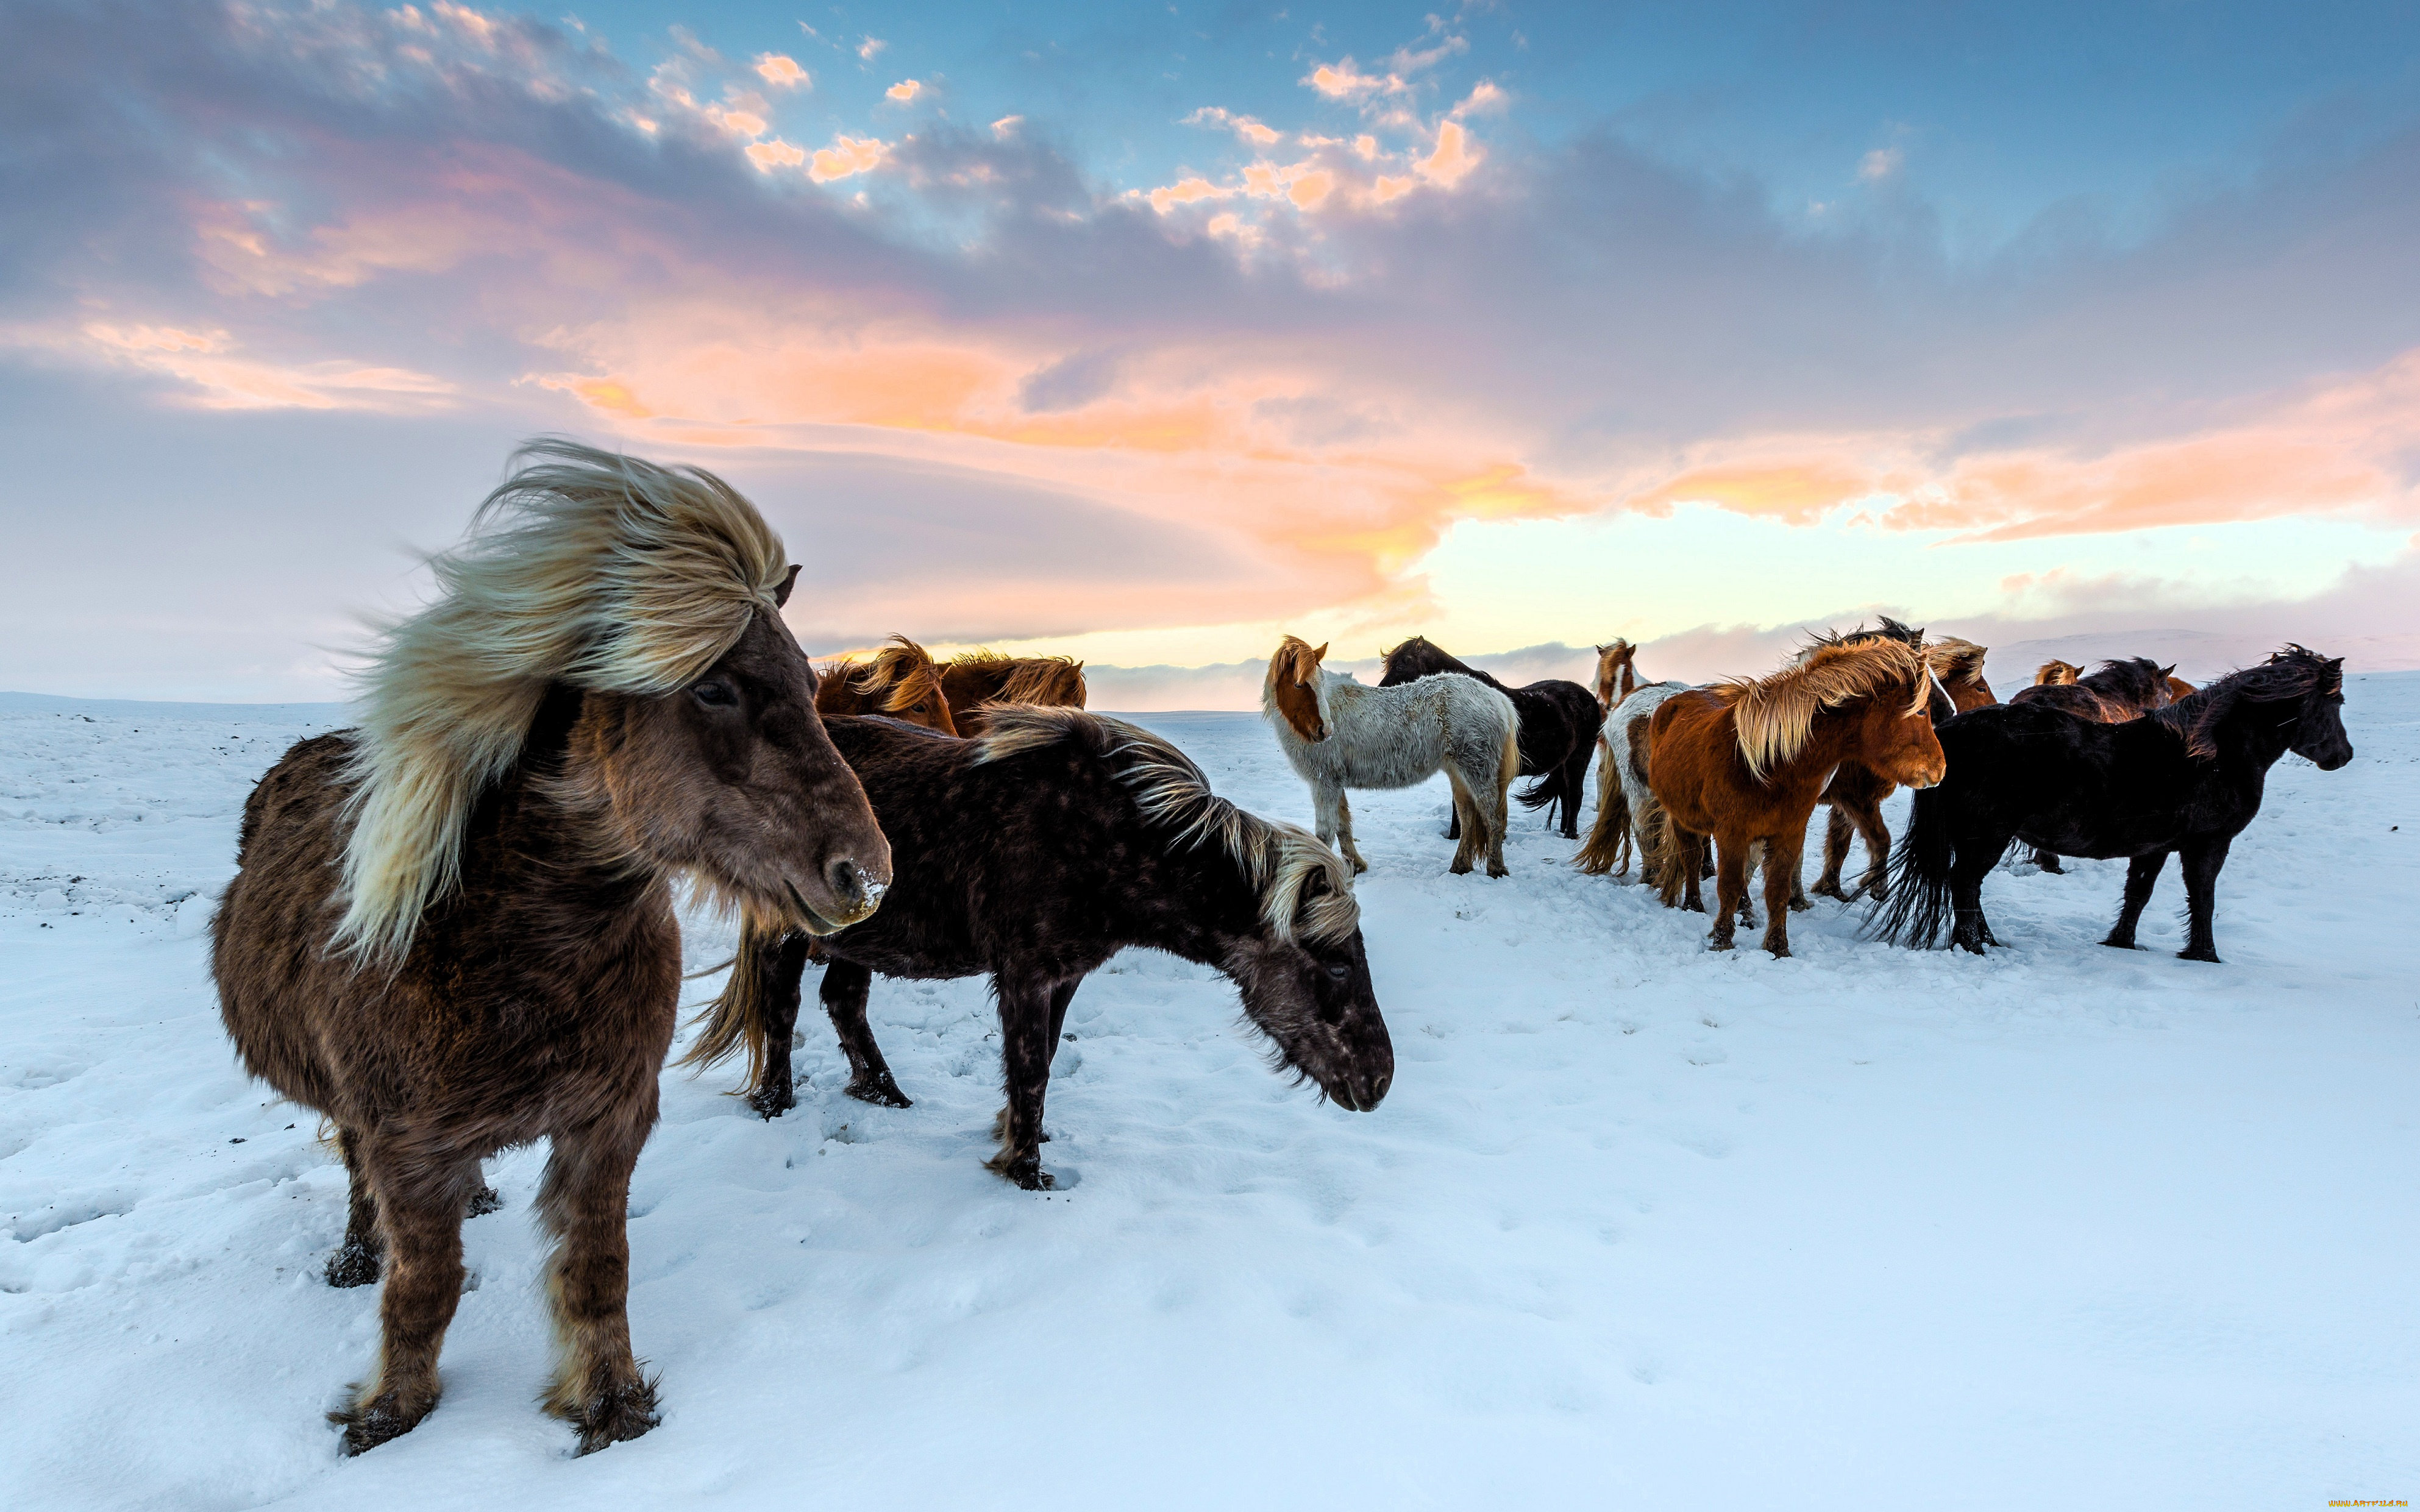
1639,1226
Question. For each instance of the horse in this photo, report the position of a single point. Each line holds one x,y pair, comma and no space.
1616,673
2178,688
1745,762
1627,813
1856,792
899,680
1560,721
1338,735
975,678
1034,853
2187,777
451,930
2113,693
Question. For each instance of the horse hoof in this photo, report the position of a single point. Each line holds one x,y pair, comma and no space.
624,1413
483,1202
1459,869
2200,953
879,1089
1497,869
1718,945
367,1427
2116,944
1779,952
771,1103
1027,1172
1800,906
1827,888
354,1265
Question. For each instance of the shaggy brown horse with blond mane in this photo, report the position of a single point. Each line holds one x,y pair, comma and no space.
1743,763
1856,793
979,677
899,680
451,931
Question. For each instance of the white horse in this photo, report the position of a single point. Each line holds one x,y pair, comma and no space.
1338,735
1625,806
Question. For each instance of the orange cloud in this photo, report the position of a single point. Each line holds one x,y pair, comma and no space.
781,71
1453,159
218,376
904,91
848,156
777,153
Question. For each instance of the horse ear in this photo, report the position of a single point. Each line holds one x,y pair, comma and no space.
2168,670
1321,655
781,594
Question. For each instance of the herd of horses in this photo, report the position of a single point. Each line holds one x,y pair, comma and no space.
451,929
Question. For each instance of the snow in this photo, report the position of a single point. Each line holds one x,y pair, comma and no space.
1637,1226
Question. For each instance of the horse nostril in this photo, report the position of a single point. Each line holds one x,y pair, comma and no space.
843,876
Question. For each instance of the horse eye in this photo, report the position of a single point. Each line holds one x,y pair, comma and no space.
1338,971
714,693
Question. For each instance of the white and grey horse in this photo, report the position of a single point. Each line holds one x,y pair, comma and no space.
1338,735
1625,806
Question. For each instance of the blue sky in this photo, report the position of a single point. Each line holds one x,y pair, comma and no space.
1146,332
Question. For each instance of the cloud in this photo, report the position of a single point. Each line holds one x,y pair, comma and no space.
212,372
781,72
777,153
1342,80
1245,127
870,47
848,156
1006,125
1879,165
1454,157
904,91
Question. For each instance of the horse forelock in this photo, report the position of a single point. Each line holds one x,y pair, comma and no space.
584,567
1956,660
1279,858
1775,714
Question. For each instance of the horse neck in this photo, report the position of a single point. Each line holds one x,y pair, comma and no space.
545,840
2254,734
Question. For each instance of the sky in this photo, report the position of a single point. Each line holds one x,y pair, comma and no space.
1149,333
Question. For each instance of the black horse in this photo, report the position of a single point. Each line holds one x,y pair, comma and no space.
2187,777
1560,721
1034,853
2113,693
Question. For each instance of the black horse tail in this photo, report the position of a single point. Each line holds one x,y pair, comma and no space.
1543,792
1918,906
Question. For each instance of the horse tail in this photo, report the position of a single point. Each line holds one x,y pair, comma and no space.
1918,905
1608,840
740,1019
1543,792
1661,859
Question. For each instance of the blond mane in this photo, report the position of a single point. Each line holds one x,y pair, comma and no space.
899,675
1297,661
1279,858
1953,660
1776,713
2057,673
583,567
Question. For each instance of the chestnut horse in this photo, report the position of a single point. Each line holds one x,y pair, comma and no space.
2113,693
1743,763
976,678
1338,735
899,680
1858,793
451,930
1616,673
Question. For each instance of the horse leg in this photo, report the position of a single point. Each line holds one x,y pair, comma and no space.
1025,1046
1575,787
1730,888
585,1202
419,1203
2048,860
844,994
1968,867
1868,818
2201,860
781,968
1837,832
2141,873
1335,821
356,1260
1466,807
1781,857
1689,853
1500,817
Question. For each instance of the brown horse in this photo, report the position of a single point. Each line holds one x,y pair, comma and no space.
979,677
899,680
451,931
1743,763
1857,791
2179,689
1616,673
2057,673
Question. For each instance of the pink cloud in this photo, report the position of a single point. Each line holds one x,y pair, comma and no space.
848,156
904,90
781,72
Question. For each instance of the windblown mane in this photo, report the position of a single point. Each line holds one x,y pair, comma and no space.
2292,673
1891,630
582,567
1278,858
2137,680
1953,660
1776,713
2057,673
900,674
1057,681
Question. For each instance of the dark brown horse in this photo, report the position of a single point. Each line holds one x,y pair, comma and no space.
1857,791
899,680
451,930
976,678
1031,855
1560,721
1743,763
2113,693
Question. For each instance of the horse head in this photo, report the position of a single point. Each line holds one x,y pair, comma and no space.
1617,675
1293,687
2320,735
1895,728
1305,980
2057,673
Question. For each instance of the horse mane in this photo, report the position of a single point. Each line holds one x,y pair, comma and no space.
1954,660
1279,858
2136,680
1053,680
899,673
1292,655
1776,713
583,567
2293,672
2057,673
1891,629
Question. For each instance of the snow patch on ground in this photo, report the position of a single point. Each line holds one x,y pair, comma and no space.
1638,1225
